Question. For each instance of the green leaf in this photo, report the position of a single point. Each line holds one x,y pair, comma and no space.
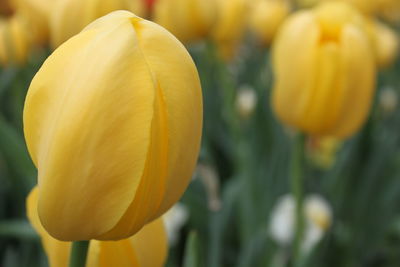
191,258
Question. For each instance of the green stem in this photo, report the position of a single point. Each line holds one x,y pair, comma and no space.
78,254
297,191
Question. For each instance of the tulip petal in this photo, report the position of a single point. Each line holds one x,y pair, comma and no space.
180,84
358,72
177,117
324,104
57,251
148,248
295,71
151,238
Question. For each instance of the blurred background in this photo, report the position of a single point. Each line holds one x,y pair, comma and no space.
239,209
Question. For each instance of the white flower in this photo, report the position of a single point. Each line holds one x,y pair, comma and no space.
246,101
174,219
282,220
317,214
388,99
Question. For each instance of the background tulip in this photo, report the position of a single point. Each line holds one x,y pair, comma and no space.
113,122
148,248
386,43
15,40
37,12
324,70
69,17
188,20
266,17
230,26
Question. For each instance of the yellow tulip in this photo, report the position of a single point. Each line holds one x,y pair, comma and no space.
37,12
113,123
19,39
230,25
386,44
188,20
69,17
324,71
15,41
266,17
148,248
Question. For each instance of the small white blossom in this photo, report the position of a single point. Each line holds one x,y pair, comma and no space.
174,219
246,101
318,218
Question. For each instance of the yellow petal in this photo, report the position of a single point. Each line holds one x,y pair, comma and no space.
57,251
358,71
69,17
178,116
148,248
323,106
294,71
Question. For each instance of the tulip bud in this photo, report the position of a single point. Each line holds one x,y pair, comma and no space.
113,123
147,248
188,20
266,17
230,26
324,71
71,16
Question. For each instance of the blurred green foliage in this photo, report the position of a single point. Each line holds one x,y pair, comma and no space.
251,158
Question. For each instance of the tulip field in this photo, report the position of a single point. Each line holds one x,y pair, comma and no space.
151,133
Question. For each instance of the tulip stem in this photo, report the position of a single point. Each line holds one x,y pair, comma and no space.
78,254
297,191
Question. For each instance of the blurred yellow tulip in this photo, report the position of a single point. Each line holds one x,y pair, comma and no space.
230,25
15,41
69,17
113,123
37,12
324,71
386,43
188,20
266,17
148,248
